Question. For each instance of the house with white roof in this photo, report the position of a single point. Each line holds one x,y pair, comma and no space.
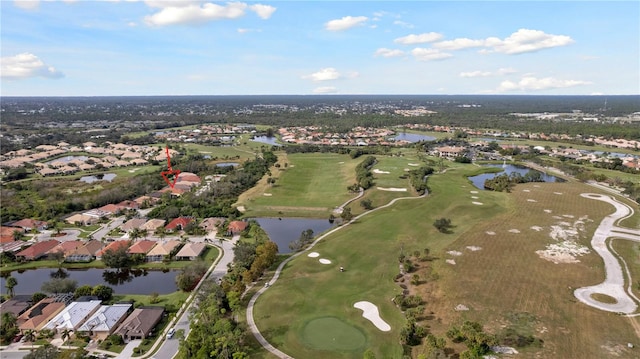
105,320
73,315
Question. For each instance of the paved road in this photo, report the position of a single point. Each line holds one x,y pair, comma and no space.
170,347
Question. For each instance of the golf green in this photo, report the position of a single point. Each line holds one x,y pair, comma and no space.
330,333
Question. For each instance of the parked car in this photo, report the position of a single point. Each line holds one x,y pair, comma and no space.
170,333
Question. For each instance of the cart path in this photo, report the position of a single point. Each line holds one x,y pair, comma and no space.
614,282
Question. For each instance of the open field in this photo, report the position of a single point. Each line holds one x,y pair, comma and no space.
310,185
532,142
503,272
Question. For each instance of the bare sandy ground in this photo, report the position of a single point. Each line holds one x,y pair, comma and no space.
313,254
370,311
324,261
380,171
613,284
392,189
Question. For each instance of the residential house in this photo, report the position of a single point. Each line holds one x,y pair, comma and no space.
28,224
73,315
105,320
36,251
212,223
133,223
162,250
190,251
153,224
17,305
141,247
82,219
113,246
40,313
85,253
66,248
140,323
178,224
6,233
236,227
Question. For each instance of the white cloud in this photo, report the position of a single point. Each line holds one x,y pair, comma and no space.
26,65
384,52
326,74
27,4
459,44
423,54
521,41
325,89
345,23
525,40
419,38
263,11
476,74
500,72
530,83
188,12
406,25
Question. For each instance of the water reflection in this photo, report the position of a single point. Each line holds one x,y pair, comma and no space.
122,276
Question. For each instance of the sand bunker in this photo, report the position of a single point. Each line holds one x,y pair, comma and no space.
514,230
341,162
547,211
268,194
536,228
474,248
414,164
568,216
379,171
461,308
526,190
473,192
557,193
531,200
324,261
454,253
475,197
491,233
313,254
241,209
478,203
392,189
370,312
536,186
451,261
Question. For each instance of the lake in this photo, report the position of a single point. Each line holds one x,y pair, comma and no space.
478,180
267,140
227,164
286,230
413,137
135,281
101,177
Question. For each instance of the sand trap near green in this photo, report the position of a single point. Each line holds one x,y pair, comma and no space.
330,333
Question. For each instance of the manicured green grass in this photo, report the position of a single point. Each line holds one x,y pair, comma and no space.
330,333
369,250
310,185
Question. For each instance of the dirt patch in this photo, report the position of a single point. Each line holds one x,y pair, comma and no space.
491,233
536,228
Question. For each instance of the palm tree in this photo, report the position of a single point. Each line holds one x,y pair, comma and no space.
30,336
10,284
66,334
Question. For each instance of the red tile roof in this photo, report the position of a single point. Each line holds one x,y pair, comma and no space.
37,250
113,246
141,247
180,221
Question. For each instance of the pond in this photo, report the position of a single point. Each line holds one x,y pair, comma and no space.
133,281
99,177
478,180
227,164
265,139
413,137
286,230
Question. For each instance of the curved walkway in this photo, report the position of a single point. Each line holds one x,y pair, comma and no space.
613,285
251,322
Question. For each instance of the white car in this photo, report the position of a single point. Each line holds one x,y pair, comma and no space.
170,333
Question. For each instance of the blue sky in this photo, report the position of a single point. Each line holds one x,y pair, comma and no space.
183,47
